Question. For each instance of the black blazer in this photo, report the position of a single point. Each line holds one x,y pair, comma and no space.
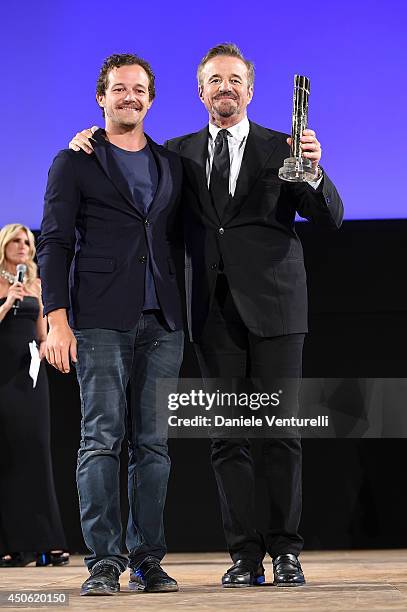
94,240
256,238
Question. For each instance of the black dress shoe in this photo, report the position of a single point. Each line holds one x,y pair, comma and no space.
150,577
244,573
103,580
287,571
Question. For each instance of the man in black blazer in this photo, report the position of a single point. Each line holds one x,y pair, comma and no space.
247,295
113,306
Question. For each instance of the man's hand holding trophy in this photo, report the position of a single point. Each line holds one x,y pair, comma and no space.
305,149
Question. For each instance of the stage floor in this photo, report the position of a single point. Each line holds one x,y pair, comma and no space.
338,580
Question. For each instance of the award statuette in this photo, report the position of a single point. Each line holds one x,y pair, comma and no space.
297,169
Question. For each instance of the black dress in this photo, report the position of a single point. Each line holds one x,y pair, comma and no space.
29,513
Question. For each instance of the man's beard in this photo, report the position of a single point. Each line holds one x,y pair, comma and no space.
225,110
130,122
127,124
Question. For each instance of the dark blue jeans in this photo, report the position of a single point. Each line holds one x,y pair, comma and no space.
106,361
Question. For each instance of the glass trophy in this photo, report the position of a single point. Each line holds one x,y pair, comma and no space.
297,169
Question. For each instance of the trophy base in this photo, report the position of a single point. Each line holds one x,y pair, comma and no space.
297,170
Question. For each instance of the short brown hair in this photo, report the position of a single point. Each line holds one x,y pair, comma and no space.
231,50
123,59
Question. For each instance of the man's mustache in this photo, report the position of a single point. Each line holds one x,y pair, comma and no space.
134,106
228,96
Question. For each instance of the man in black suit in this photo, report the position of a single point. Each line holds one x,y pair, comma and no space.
247,295
113,306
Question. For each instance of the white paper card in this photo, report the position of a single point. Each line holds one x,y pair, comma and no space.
35,362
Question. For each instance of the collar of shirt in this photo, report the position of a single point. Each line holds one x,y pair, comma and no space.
239,132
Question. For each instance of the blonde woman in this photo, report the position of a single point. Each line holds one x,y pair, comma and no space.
30,524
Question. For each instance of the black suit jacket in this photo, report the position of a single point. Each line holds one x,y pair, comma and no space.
256,238
94,241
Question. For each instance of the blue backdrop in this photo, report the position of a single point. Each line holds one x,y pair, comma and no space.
354,53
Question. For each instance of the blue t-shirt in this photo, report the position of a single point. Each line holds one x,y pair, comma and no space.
140,171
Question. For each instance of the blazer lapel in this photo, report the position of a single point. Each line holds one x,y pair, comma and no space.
163,174
112,170
259,148
194,152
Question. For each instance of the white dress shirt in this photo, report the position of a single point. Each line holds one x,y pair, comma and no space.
237,143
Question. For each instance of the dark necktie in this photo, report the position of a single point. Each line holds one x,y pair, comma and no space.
219,180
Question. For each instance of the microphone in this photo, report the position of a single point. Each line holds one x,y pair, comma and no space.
21,270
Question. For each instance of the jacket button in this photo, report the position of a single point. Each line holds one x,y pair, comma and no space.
328,200
214,266
142,259
221,231
147,223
